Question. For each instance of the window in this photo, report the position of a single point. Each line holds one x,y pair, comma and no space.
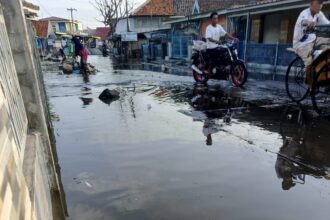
255,30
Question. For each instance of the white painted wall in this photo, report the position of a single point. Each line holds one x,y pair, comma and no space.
147,24
142,24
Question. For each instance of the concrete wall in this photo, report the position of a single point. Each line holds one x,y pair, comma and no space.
30,185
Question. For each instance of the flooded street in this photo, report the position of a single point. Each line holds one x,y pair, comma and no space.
168,149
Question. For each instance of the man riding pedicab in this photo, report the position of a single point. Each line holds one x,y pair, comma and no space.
305,42
309,73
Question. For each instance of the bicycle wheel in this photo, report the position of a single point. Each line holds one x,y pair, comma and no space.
295,80
321,95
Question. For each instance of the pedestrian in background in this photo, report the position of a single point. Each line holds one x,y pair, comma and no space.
79,50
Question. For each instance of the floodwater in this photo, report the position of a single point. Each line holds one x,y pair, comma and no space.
168,149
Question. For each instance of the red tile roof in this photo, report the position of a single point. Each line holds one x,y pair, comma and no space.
155,8
254,3
54,19
207,5
102,32
41,28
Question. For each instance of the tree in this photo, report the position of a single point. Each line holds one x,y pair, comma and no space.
112,11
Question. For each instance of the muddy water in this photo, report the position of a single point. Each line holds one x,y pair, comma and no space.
169,150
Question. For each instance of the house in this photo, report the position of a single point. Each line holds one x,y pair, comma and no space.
43,31
49,39
144,27
63,26
266,31
264,27
153,34
54,33
193,24
190,22
102,33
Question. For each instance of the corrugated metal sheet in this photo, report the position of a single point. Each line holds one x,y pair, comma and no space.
41,28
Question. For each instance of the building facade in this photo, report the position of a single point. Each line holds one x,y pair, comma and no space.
265,30
62,25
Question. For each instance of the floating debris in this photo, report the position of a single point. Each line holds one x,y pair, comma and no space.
88,184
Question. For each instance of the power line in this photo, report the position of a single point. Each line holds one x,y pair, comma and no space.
44,8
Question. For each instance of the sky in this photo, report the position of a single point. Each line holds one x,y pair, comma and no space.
85,13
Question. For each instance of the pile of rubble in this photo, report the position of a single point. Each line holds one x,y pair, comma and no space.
71,66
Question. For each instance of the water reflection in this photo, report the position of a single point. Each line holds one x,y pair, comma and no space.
86,78
305,148
211,127
146,160
86,101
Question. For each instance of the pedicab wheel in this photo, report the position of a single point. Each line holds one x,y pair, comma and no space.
321,95
238,73
202,79
295,80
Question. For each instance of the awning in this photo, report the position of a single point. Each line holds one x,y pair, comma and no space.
70,35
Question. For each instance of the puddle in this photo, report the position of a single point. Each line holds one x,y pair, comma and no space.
168,149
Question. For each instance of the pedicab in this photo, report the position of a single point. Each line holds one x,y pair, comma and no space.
301,82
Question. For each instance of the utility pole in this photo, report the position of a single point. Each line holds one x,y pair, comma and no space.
71,10
127,16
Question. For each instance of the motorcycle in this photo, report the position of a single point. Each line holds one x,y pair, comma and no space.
228,65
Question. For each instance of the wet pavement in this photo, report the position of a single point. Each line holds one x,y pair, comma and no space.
168,149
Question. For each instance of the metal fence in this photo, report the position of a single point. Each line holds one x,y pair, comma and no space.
154,51
180,46
272,54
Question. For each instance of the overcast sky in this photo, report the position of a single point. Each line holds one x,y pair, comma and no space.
85,13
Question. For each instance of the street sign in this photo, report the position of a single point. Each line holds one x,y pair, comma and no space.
129,36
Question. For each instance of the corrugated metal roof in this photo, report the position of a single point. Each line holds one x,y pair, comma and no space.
102,32
53,18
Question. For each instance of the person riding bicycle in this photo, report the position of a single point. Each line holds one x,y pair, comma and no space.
213,34
304,42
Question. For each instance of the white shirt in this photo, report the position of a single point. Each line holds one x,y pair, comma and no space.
215,33
298,37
